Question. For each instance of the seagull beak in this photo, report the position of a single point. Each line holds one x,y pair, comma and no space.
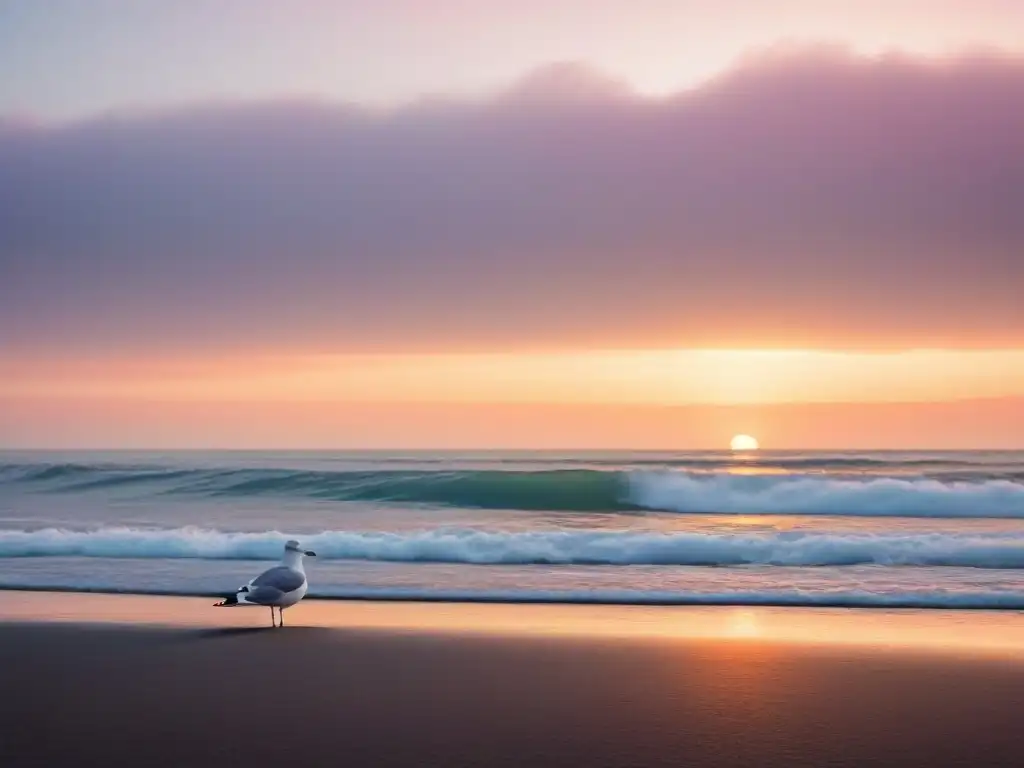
310,553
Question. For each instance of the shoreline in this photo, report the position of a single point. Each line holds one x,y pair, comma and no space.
952,632
167,681
527,599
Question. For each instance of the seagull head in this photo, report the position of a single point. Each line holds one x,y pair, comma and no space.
293,546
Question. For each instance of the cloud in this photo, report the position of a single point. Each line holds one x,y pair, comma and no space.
806,198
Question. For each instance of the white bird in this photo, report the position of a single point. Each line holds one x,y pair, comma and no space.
280,587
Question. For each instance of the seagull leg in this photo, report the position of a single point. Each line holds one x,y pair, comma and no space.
273,622
280,612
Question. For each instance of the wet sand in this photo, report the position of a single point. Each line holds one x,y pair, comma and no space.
117,692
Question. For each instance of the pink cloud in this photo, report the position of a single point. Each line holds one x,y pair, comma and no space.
810,199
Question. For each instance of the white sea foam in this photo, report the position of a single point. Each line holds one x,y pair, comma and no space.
819,495
993,550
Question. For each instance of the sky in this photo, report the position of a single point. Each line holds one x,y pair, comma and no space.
493,224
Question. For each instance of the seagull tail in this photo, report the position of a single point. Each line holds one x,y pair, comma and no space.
239,598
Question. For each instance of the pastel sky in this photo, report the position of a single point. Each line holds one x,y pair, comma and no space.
69,58
496,224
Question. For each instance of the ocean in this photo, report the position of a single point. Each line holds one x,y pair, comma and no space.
887,529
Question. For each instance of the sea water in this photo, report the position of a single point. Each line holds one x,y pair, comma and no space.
785,528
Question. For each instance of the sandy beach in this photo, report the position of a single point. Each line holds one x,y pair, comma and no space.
122,680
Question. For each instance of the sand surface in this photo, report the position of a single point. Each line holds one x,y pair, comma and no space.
550,692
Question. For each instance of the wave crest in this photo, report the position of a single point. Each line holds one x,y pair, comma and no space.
816,495
472,546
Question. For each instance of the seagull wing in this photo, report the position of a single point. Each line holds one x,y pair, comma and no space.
281,578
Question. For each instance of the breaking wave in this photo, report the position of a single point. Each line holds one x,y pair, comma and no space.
472,546
808,494
575,489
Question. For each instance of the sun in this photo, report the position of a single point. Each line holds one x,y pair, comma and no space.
744,443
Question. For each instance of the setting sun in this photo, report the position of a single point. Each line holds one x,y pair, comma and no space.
744,443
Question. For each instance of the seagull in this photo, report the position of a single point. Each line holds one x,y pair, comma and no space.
280,587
